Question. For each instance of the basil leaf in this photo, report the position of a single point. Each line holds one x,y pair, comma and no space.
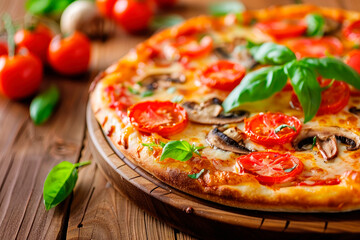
60,182
196,175
306,87
290,169
147,93
256,85
279,128
314,143
41,7
179,150
334,69
271,53
150,145
315,25
177,99
160,22
133,91
223,8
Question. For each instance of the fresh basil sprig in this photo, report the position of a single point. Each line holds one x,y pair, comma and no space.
282,126
315,25
271,53
306,87
223,8
60,182
288,170
179,150
196,175
41,7
256,85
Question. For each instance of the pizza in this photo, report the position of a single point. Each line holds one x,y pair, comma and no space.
258,110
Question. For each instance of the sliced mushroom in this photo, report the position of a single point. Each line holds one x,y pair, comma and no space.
331,26
227,139
236,51
211,112
355,110
163,80
325,139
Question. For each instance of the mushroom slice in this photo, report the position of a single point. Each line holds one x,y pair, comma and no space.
162,80
325,139
211,112
331,26
355,110
227,139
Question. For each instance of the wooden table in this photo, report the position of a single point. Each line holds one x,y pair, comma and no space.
27,153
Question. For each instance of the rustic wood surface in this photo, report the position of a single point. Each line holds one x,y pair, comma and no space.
95,210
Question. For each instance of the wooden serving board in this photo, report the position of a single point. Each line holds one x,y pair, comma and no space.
206,219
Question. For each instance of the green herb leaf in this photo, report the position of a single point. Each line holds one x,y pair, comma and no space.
196,175
133,91
150,145
256,85
315,25
279,128
314,142
43,7
223,8
43,105
306,87
177,99
271,53
147,93
161,22
328,86
356,46
179,150
171,90
290,169
60,182
334,68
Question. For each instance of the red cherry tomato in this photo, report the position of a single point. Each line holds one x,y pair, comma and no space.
36,41
283,28
352,31
316,47
70,55
223,75
132,15
106,7
164,118
271,167
353,60
189,46
165,3
261,128
3,49
20,75
333,99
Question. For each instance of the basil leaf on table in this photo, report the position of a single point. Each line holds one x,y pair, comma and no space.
271,53
41,7
306,87
315,25
256,85
179,150
333,68
223,8
60,182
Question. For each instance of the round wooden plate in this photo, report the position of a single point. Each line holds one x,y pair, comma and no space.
205,219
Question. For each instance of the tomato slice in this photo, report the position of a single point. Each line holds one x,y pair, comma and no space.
352,31
119,99
333,99
223,75
165,118
189,46
261,128
283,28
353,60
271,167
316,47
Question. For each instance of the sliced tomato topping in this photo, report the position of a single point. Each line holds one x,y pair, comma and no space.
283,28
118,97
190,46
353,60
165,118
271,167
264,128
333,99
352,31
316,47
223,75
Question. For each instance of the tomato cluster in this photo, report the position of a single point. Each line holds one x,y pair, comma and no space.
132,15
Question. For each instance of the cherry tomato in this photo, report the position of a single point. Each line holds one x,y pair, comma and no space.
36,41
353,60
271,167
189,46
352,31
261,128
70,55
3,49
283,28
165,3
316,47
165,118
106,7
20,75
333,99
223,75
132,15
